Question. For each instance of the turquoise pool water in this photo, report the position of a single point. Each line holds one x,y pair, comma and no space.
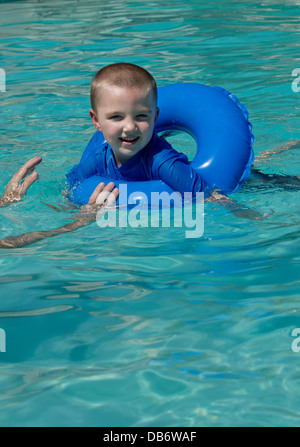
141,326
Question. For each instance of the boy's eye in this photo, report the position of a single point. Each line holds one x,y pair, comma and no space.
140,116
115,117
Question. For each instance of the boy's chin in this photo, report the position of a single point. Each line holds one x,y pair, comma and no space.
124,154
131,148
129,152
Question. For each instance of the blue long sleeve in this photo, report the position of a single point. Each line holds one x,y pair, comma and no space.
157,161
181,177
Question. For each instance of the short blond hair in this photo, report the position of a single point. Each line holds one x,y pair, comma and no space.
121,74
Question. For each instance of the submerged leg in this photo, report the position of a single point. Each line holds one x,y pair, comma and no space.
266,155
261,180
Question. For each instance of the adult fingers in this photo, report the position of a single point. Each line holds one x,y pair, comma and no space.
24,170
28,182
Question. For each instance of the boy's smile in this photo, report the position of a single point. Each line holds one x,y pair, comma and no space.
126,117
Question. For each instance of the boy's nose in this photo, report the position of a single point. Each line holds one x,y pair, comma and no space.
129,125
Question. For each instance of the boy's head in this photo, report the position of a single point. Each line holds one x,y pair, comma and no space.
124,107
123,75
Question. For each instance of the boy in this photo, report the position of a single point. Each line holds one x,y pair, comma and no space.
124,109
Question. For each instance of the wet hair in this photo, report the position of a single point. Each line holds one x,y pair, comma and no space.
123,75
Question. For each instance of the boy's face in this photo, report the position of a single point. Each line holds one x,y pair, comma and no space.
126,117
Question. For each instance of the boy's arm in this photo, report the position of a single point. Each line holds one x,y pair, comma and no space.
27,175
174,170
183,178
237,209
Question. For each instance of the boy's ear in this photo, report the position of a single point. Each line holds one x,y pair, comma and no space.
95,119
157,113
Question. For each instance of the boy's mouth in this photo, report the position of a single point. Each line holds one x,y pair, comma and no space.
129,141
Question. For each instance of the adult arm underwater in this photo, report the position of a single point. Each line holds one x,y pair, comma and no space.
103,196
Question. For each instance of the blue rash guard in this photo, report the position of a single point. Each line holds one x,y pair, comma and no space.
156,161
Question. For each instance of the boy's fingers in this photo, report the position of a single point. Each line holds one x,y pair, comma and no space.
102,197
96,192
268,214
109,187
112,198
105,193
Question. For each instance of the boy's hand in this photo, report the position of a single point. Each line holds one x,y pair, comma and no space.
13,191
237,209
105,195
102,196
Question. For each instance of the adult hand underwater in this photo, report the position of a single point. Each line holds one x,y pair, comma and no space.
103,196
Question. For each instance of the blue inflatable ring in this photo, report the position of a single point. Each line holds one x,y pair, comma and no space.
214,118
